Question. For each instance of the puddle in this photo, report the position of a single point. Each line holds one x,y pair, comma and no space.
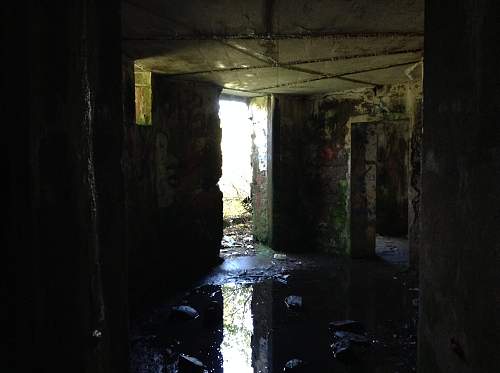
247,327
236,347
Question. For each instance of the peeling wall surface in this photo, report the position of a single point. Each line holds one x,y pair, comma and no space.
460,256
172,172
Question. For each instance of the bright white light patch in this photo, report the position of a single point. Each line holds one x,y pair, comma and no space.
236,149
236,347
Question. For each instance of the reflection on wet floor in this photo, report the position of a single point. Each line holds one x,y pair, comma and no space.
237,320
238,328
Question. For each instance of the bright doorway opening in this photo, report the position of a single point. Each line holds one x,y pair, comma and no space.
236,179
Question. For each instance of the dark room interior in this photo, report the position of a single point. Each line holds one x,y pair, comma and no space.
363,236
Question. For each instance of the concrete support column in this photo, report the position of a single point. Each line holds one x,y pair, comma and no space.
69,229
459,328
259,109
172,169
310,174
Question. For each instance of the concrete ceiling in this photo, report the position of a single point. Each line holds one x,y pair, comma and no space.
277,46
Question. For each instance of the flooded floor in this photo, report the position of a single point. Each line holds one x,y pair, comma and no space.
268,312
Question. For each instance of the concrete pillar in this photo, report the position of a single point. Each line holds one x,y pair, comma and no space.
259,109
459,328
69,231
173,200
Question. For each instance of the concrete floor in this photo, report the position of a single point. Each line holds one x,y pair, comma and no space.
244,324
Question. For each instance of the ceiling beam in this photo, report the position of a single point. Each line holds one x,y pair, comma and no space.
276,36
271,63
334,76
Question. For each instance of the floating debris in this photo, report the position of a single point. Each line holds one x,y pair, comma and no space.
282,278
184,313
190,364
294,365
293,302
349,347
347,326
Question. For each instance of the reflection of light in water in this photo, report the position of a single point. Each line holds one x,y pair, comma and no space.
236,347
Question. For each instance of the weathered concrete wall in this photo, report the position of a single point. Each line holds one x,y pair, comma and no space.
414,109
392,179
460,256
259,109
66,201
173,201
189,161
326,164
363,194
311,175
310,180
289,225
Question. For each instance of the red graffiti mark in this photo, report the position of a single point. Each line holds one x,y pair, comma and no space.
328,153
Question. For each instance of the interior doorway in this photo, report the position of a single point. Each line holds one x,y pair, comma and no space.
392,190
235,183
379,190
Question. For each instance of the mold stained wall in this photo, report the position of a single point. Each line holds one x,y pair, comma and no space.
311,183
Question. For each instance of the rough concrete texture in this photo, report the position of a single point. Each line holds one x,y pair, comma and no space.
364,191
310,182
460,256
66,201
296,47
260,109
172,170
414,109
289,226
392,179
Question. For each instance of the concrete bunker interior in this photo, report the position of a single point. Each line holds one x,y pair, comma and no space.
360,131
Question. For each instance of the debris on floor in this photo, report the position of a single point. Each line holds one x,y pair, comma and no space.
190,364
238,240
282,278
293,302
295,366
349,347
240,324
184,313
347,326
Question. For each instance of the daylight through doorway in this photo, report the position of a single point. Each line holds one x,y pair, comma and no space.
236,177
